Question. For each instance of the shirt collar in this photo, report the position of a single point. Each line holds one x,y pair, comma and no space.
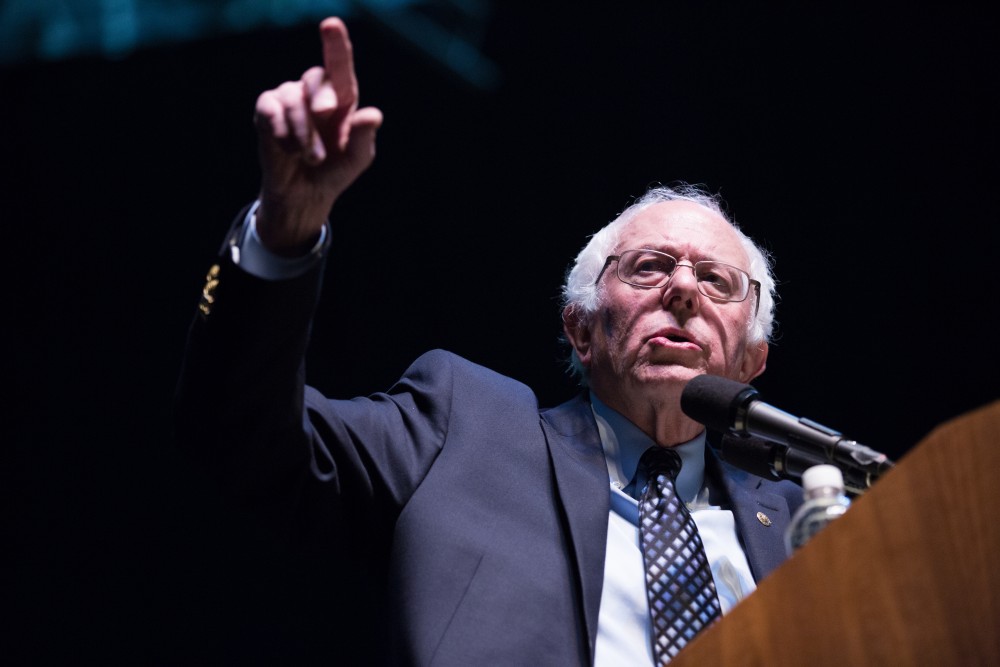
624,444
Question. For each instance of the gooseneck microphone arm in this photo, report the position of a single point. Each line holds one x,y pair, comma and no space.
729,406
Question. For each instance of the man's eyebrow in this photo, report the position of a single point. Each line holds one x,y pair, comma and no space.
671,249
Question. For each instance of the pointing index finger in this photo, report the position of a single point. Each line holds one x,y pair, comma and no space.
338,61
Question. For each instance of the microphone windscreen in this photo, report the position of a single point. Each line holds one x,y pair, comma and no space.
714,400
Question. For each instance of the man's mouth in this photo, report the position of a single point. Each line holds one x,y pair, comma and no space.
675,339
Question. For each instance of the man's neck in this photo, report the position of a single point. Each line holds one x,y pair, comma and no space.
624,443
661,418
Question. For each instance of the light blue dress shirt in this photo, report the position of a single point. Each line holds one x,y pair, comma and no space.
623,627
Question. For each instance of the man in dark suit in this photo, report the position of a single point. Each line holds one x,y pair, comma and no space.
482,530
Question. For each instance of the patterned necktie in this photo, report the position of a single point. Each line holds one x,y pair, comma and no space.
679,585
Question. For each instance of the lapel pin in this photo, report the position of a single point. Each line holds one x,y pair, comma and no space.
763,518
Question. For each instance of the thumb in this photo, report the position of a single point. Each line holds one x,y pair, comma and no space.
361,139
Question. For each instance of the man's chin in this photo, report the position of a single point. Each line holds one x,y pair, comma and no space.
670,375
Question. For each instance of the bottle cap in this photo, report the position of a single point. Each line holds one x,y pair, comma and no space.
822,475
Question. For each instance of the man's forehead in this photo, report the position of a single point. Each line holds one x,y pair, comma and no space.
682,225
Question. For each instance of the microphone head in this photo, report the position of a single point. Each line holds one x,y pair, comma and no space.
716,401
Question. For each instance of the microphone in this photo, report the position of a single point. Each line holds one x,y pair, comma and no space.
727,405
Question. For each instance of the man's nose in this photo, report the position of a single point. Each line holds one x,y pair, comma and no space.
682,287
687,278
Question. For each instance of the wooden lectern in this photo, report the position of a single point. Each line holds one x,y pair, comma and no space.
909,576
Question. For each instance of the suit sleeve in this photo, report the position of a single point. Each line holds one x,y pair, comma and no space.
278,448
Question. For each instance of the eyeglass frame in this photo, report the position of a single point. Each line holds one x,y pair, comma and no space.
755,284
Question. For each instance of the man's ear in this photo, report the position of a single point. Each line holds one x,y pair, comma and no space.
754,361
577,330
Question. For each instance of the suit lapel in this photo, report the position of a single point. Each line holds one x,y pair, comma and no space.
582,484
761,517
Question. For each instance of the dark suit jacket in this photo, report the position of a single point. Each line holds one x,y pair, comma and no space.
482,520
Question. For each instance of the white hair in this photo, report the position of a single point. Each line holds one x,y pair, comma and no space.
580,292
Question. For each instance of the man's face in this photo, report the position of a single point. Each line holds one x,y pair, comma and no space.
647,343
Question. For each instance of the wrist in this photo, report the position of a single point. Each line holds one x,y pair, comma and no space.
287,231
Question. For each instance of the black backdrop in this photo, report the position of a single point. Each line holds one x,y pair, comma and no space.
858,145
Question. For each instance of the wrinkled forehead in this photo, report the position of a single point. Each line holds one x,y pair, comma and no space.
686,230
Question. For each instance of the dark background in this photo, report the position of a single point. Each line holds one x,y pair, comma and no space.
859,146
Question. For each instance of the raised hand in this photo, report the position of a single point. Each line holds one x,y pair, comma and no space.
313,142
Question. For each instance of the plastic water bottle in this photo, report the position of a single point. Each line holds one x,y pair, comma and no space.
825,501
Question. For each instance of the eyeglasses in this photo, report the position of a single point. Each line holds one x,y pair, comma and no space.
650,269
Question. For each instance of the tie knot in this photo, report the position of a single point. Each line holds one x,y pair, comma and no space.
661,461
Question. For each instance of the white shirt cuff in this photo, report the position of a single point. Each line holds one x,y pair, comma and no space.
250,254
